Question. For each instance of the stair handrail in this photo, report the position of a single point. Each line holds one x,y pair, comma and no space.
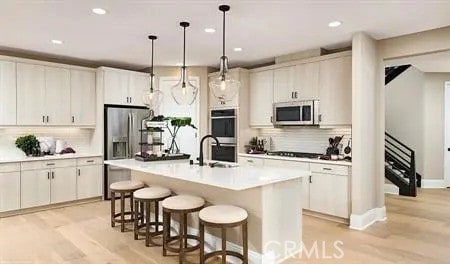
398,141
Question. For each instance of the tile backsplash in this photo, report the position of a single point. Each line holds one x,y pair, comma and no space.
304,139
77,138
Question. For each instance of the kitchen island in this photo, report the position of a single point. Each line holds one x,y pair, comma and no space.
271,196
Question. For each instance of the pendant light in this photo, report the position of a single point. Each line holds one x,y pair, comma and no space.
184,92
224,86
154,97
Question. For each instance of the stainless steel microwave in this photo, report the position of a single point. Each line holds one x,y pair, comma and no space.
296,113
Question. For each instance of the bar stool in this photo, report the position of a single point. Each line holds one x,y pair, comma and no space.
144,198
181,205
123,188
223,217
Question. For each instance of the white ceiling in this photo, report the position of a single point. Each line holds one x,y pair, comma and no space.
264,29
436,62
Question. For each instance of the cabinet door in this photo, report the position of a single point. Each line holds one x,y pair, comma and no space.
57,96
30,94
261,98
307,81
82,97
9,191
216,103
34,188
139,84
116,87
283,84
7,93
329,194
89,181
335,91
64,185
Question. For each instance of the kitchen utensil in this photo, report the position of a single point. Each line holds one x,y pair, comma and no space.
348,149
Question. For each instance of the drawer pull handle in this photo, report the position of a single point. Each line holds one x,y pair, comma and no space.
251,161
89,161
327,169
50,164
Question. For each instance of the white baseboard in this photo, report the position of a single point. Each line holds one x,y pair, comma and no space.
391,188
361,222
436,184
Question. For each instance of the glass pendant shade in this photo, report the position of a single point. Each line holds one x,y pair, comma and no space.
184,92
153,98
224,87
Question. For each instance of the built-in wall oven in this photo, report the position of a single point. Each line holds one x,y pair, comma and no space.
296,113
223,127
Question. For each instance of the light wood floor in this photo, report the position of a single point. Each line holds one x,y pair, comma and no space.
417,231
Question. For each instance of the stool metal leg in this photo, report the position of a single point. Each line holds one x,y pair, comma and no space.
166,231
202,243
147,224
136,220
181,234
224,245
113,208
245,242
122,212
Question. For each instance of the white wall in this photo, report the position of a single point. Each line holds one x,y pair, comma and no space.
405,111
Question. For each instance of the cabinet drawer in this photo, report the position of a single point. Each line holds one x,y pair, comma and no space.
10,167
47,164
251,161
329,169
89,161
287,164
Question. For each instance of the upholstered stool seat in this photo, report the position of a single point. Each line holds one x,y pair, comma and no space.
181,205
144,198
223,217
124,188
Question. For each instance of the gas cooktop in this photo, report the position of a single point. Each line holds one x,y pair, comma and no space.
294,154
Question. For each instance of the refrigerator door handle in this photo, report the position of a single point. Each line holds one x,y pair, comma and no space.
129,135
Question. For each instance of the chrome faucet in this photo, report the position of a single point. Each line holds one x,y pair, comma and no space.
200,158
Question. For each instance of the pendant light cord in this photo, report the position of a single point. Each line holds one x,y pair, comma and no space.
223,35
184,47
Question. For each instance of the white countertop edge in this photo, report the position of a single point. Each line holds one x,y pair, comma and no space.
49,157
242,187
264,156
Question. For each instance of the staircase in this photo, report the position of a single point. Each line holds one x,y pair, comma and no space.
390,73
400,166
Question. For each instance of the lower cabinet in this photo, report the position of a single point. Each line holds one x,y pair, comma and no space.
9,187
63,185
35,188
89,181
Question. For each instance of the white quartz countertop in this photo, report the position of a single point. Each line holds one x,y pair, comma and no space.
48,157
265,156
236,178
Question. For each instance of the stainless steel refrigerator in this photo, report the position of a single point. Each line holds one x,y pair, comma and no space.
122,137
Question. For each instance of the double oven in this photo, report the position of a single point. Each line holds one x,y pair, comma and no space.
223,127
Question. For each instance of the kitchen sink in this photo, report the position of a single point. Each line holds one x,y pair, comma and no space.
222,165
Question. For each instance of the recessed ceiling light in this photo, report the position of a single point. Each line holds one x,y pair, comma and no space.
57,41
99,11
210,30
335,23
237,49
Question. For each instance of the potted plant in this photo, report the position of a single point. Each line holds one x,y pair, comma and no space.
177,123
28,144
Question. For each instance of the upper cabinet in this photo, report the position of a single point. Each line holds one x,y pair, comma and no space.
261,98
7,93
335,91
31,94
82,97
55,96
283,84
122,87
